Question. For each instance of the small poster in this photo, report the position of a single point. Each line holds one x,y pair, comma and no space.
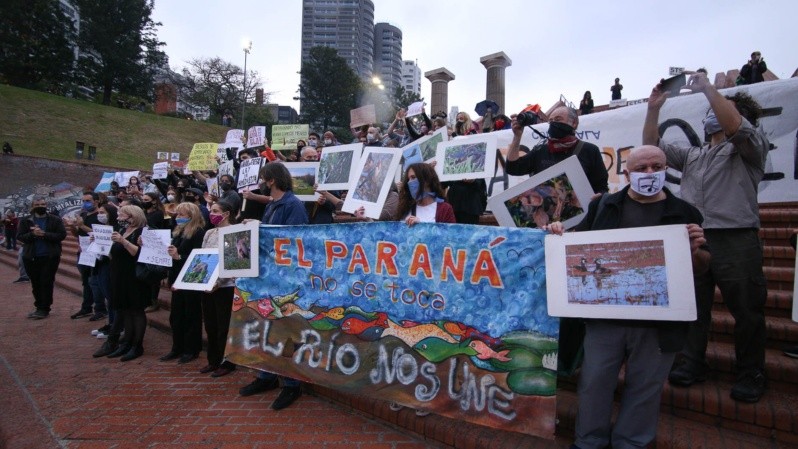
285,137
87,258
175,157
256,136
160,170
154,243
102,239
239,248
365,115
337,165
163,156
415,109
200,271
304,176
468,157
372,181
234,136
213,186
248,173
203,156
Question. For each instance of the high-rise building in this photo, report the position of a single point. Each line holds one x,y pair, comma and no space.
388,55
411,77
345,25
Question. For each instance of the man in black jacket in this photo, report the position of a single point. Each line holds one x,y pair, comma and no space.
648,347
42,234
754,70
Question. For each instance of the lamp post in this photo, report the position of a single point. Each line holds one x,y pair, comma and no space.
247,45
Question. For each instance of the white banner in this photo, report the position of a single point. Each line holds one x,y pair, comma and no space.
616,131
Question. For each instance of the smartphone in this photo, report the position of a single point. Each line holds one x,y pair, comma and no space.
673,84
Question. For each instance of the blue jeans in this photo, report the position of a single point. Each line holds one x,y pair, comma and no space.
100,284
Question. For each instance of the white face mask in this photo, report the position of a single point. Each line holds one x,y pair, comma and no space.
102,218
327,142
170,198
647,184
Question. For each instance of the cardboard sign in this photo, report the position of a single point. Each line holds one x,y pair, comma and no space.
256,136
285,137
365,115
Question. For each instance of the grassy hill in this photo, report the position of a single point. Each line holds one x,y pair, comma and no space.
40,124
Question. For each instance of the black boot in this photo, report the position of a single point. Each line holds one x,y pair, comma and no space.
108,347
134,353
123,349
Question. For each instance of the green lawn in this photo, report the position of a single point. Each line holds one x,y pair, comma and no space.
41,124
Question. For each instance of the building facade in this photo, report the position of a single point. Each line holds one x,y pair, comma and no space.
388,55
411,77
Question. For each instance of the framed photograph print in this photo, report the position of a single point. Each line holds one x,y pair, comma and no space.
629,274
304,175
200,271
374,175
337,165
423,149
559,193
468,157
238,249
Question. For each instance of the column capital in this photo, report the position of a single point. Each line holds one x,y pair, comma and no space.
440,74
499,59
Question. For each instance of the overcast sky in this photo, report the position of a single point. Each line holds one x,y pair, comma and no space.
556,47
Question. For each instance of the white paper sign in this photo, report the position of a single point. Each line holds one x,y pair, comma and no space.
227,169
87,257
234,136
160,170
102,239
123,177
153,247
256,136
415,108
248,173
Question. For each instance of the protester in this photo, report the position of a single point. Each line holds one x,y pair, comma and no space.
586,105
721,180
185,313
23,276
217,304
81,226
134,189
227,186
647,348
754,70
41,235
156,219
286,209
10,227
129,295
421,199
100,279
561,144
463,125
616,89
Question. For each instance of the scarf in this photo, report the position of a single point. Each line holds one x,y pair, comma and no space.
563,145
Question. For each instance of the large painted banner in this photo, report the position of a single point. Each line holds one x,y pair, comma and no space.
446,318
616,131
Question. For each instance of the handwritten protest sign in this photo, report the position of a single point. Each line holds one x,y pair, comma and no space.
235,136
415,109
203,156
123,177
102,239
153,247
248,173
256,136
87,258
285,137
447,318
365,115
160,170
227,169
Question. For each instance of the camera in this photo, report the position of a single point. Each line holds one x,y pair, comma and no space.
527,118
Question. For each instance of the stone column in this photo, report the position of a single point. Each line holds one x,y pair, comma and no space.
440,89
495,64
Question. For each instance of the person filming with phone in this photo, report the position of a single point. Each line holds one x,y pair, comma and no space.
754,70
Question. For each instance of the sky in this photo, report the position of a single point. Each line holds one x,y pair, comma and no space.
557,47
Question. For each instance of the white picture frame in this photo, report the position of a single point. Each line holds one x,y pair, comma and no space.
200,271
303,179
374,175
338,165
423,149
466,157
557,186
238,250
631,274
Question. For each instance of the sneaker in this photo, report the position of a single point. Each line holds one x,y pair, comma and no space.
98,316
687,374
21,280
286,397
258,386
102,336
38,315
95,332
791,351
749,387
81,314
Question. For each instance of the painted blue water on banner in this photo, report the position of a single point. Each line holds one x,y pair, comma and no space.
490,278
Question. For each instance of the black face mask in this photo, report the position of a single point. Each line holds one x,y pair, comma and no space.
39,210
146,205
181,188
226,186
188,198
558,130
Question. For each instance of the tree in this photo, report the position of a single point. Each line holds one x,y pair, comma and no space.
327,90
216,84
119,48
35,45
403,98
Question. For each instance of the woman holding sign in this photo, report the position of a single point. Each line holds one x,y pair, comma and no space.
185,315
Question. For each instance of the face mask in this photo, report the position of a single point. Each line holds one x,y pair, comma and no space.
39,210
499,124
146,205
180,188
558,130
182,220
711,124
647,184
371,137
102,218
312,143
216,219
88,206
226,186
188,199
124,223
170,198
327,141
299,147
413,186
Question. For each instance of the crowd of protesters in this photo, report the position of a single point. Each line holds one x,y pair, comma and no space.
181,203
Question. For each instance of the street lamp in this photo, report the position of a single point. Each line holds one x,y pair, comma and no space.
247,45
377,82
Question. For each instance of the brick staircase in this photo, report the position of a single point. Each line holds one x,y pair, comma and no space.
702,416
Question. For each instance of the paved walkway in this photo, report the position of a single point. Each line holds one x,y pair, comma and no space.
53,394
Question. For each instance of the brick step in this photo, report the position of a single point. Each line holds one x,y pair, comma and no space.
781,331
682,428
779,278
781,216
778,303
779,256
779,236
782,371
